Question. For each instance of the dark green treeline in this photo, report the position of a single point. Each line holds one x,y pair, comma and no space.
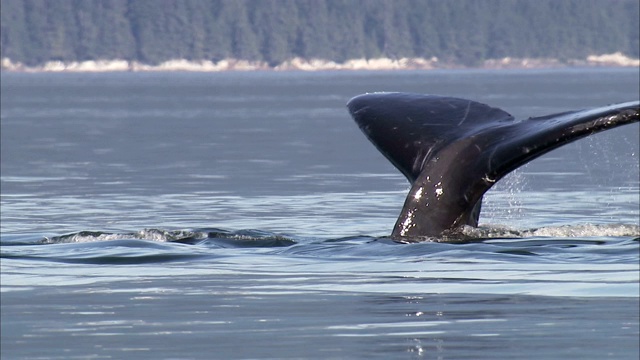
457,31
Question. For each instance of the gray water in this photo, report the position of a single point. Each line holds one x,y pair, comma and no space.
244,215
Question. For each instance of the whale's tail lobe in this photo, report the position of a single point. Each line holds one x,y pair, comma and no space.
453,150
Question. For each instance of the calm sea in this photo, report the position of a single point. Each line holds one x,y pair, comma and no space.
244,215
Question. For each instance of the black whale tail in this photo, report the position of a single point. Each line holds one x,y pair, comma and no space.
453,150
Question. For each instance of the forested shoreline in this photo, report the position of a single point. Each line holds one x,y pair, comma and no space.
274,32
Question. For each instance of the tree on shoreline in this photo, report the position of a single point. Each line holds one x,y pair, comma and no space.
465,32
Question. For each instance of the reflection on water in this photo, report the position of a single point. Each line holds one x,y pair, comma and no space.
245,216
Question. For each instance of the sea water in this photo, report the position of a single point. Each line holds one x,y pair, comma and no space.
243,215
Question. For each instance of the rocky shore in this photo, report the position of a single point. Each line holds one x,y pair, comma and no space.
298,64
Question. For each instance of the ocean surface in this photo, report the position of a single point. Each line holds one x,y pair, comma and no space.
245,216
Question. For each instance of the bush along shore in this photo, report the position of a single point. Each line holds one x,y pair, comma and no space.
298,64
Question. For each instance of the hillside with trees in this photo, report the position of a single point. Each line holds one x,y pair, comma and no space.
456,31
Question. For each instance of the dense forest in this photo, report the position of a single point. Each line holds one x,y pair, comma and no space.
457,31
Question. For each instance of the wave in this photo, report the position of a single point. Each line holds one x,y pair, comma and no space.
240,238
563,231
561,244
259,238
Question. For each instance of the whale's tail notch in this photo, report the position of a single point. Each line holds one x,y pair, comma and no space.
453,150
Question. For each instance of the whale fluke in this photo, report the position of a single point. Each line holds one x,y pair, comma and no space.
453,150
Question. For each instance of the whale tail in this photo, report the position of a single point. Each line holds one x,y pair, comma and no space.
453,150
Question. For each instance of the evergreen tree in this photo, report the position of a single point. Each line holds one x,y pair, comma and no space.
460,31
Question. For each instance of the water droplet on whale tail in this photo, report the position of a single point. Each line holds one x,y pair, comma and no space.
453,150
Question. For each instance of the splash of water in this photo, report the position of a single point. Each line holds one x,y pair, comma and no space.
563,231
503,203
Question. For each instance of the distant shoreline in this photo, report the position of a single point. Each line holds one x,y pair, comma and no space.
298,64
